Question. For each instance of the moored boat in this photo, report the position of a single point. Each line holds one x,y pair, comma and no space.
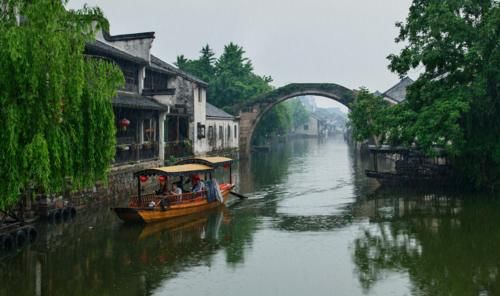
162,204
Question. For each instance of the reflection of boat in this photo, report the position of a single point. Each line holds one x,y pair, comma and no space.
162,205
184,223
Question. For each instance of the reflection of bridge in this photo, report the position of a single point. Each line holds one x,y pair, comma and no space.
251,113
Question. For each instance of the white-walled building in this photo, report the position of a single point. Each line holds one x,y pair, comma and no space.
222,131
312,128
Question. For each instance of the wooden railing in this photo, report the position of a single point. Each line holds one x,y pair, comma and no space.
135,152
145,200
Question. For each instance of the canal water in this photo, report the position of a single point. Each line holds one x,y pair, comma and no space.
313,225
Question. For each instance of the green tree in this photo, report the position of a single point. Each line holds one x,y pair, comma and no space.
55,104
298,113
369,117
277,121
203,67
230,77
455,102
232,81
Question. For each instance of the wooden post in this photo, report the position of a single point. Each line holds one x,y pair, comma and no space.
139,198
177,138
375,163
231,174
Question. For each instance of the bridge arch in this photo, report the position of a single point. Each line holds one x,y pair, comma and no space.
252,112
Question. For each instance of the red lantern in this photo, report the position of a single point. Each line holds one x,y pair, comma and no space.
227,165
143,178
161,178
124,123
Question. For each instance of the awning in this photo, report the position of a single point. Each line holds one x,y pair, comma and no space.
175,170
213,161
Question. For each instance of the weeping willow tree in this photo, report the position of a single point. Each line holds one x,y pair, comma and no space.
56,117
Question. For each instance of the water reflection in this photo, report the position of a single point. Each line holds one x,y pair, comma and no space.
446,243
313,223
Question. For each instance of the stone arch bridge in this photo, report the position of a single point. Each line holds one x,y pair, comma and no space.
253,110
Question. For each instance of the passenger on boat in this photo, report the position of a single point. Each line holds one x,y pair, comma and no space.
163,188
198,185
175,189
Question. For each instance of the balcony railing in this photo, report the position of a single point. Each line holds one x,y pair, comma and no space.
126,153
178,148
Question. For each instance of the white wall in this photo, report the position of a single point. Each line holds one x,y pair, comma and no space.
137,47
226,142
312,128
200,109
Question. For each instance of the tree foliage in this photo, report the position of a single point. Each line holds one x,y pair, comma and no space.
298,113
230,77
277,121
232,81
55,104
455,102
369,117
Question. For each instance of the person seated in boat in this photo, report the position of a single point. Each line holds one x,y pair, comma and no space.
176,191
198,185
163,187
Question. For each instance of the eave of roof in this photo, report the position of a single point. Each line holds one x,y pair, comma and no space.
157,63
127,37
214,112
407,81
136,101
103,48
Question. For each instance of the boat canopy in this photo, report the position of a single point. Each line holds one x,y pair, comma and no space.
213,161
175,170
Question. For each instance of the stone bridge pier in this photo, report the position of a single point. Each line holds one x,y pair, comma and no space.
253,110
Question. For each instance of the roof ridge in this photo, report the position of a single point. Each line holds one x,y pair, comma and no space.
397,84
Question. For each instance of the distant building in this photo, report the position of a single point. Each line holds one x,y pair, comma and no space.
222,131
397,93
314,127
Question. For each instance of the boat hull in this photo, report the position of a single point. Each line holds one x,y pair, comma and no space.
145,215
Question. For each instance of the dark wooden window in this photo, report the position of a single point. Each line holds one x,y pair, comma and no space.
155,80
200,130
221,133
211,132
235,132
131,74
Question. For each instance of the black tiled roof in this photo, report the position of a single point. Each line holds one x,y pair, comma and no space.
398,92
126,37
98,47
136,101
213,111
158,63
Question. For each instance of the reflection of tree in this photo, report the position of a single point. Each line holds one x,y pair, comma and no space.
118,259
446,249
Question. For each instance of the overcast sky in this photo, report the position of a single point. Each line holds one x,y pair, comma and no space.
339,41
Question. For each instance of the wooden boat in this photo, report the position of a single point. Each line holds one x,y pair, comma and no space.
162,205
